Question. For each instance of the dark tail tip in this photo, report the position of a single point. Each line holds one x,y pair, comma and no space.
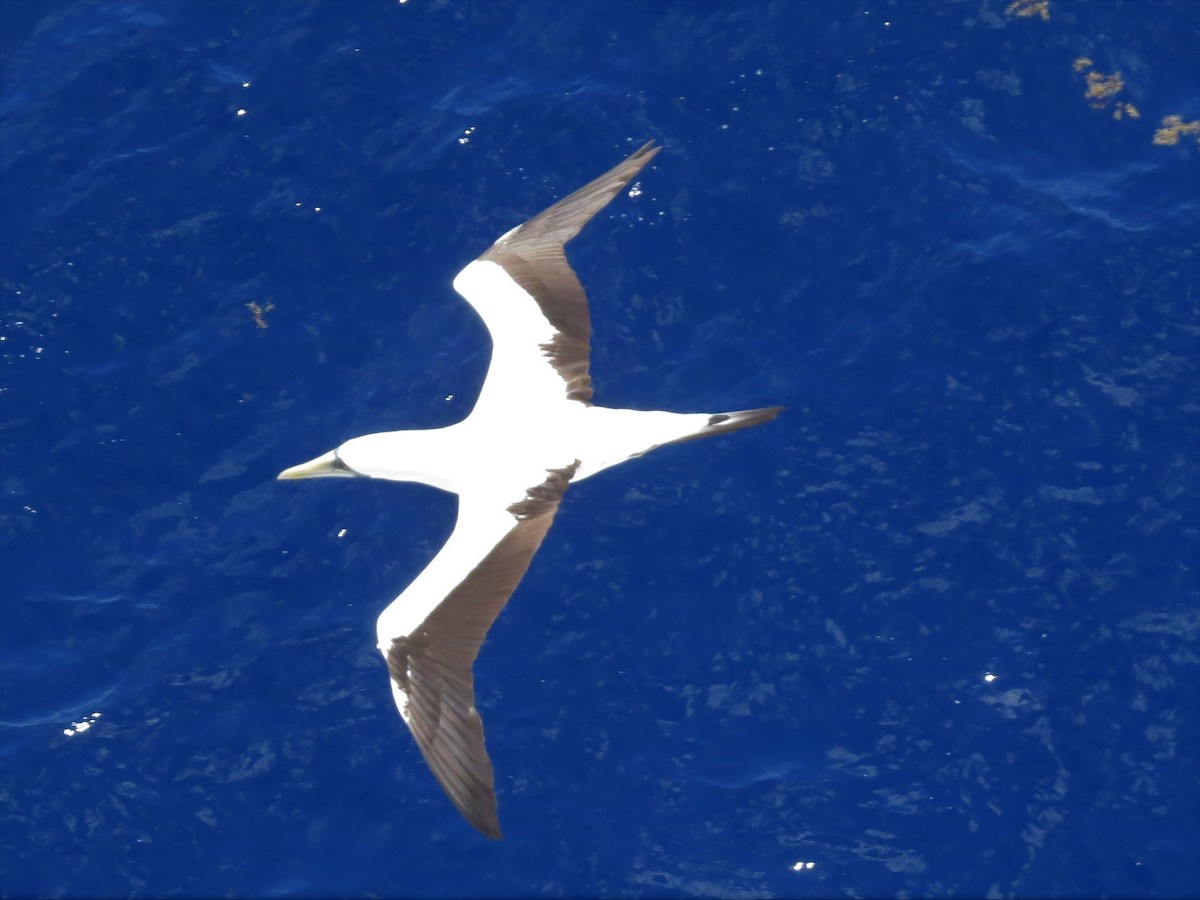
719,423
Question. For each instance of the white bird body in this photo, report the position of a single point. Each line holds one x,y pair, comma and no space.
533,431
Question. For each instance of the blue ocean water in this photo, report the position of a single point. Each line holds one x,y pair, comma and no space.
934,632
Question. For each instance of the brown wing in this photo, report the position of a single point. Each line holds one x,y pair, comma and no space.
533,256
431,667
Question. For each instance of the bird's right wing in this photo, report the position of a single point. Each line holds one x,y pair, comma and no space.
531,300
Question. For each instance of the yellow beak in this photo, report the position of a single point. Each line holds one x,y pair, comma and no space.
328,465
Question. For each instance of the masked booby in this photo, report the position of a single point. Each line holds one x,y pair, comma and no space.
542,433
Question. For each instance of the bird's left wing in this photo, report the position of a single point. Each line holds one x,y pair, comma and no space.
430,659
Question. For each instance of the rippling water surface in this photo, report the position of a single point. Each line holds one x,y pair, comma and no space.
933,632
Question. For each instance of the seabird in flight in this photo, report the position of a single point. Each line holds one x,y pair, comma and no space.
534,431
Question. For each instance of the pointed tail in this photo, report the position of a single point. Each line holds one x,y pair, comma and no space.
720,423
